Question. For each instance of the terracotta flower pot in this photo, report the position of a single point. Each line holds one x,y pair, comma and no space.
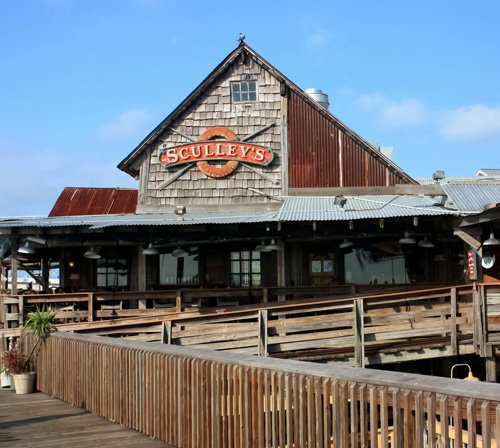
24,382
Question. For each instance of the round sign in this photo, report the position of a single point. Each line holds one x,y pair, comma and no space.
217,170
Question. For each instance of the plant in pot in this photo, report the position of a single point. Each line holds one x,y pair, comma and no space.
40,323
12,361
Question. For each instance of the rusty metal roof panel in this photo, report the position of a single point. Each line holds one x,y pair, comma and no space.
76,201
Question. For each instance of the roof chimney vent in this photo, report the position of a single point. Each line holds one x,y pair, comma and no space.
318,96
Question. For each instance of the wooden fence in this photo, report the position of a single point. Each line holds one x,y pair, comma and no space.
196,398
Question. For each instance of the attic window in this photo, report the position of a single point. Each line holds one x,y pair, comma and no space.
244,91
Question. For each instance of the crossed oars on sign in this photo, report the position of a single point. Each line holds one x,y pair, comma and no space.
184,170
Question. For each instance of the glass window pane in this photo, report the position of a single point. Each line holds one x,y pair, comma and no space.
256,266
235,267
245,280
245,266
235,280
327,265
252,96
316,266
235,255
255,255
244,96
245,255
255,279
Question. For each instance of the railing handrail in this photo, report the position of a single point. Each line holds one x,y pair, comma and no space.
409,381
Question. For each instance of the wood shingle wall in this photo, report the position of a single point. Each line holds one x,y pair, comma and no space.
215,108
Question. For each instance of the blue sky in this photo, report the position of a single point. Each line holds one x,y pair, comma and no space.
83,81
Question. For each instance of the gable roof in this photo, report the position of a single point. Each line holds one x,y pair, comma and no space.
127,164
77,201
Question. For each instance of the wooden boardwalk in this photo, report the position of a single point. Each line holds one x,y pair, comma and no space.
37,420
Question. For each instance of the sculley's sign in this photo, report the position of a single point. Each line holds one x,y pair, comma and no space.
218,144
217,150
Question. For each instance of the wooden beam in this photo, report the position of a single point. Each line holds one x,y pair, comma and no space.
430,190
359,354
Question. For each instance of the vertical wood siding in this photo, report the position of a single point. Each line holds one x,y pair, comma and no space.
321,154
194,398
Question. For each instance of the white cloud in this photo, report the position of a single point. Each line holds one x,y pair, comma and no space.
407,112
131,124
470,122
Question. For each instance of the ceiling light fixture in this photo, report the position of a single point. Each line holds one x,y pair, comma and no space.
407,239
491,241
92,254
27,249
179,252
272,246
425,243
346,243
150,250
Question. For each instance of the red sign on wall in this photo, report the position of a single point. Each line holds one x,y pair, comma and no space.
472,264
216,150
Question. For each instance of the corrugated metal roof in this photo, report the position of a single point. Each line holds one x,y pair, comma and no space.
75,201
359,207
293,209
473,197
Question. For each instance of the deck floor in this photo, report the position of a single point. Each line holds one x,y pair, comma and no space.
37,420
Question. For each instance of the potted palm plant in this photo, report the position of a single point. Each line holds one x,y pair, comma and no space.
40,323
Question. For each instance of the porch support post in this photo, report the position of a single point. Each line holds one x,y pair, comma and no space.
14,262
491,369
141,276
281,263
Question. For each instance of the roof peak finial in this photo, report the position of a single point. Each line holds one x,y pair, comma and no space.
241,39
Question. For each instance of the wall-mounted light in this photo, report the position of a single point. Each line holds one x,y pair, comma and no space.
180,211
351,225
71,264
381,223
92,254
340,200
469,377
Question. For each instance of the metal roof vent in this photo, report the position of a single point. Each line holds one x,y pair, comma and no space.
318,96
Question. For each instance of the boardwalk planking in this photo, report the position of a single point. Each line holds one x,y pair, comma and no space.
37,420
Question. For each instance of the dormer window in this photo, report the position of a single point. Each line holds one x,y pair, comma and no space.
244,91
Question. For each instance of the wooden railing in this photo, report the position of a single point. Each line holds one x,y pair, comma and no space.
359,330
97,305
195,398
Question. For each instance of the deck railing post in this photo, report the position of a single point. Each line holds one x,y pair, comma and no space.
20,308
90,307
178,301
453,322
358,326
262,335
166,332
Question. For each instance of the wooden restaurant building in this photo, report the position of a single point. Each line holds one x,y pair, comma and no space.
250,182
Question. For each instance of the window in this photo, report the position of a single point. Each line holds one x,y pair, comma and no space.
245,268
178,270
244,91
371,266
112,272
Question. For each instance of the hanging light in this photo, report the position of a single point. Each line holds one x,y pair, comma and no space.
407,239
27,249
425,243
179,252
261,247
346,243
150,250
272,246
92,254
492,241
